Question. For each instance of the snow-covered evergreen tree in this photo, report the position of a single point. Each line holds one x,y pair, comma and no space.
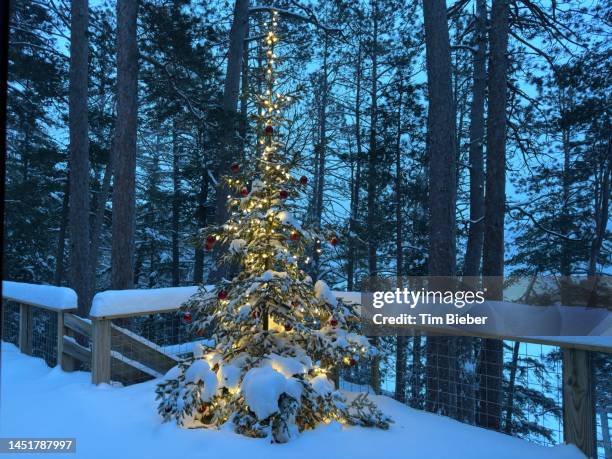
277,335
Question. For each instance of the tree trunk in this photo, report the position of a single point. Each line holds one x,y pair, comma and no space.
355,180
402,341
201,220
229,144
372,185
473,253
321,153
124,184
511,385
58,275
244,95
176,209
99,217
601,211
415,390
79,156
565,267
491,354
442,193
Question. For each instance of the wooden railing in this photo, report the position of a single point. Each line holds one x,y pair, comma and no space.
59,301
107,341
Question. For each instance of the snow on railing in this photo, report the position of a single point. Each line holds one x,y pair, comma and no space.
123,303
38,317
43,296
117,303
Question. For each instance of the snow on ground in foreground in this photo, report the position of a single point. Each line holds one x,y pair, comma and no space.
37,401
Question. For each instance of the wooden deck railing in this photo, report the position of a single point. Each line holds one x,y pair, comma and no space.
115,353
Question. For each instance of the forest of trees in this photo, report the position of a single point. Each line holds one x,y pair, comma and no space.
468,138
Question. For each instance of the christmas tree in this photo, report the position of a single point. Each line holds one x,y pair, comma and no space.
277,336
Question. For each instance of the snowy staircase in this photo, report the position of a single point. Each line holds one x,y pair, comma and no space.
134,359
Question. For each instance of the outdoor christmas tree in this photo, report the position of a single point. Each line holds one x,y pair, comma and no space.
278,336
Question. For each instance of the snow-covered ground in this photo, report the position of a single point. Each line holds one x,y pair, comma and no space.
121,422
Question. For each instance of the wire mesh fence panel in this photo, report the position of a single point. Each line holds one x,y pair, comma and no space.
10,322
356,378
147,346
43,340
511,387
602,368
44,335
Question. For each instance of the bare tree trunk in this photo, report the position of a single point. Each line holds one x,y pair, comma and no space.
473,253
198,269
402,341
321,154
176,209
229,144
415,390
372,185
79,156
491,354
511,385
201,219
244,94
58,275
442,192
124,184
356,179
602,209
99,217
509,406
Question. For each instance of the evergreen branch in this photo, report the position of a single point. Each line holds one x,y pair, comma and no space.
531,217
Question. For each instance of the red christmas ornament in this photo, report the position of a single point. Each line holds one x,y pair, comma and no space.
210,240
283,194
209,246
222,295
288,327
303,180
294,236
244,191
333,322
352,362
269,130
187,317
235,168
333,241
200,332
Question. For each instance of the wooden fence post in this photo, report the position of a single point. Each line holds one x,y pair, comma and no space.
25,328
101,351
579,401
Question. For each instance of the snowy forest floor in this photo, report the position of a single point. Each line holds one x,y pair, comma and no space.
122,422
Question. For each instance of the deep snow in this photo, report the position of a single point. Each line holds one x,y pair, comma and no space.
121,422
